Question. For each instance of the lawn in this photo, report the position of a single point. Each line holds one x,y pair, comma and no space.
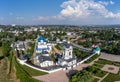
22,74
92,58
32,71
95,80
11,62
103,61
80,54
58,46
98,65
112,78
96,71
3,70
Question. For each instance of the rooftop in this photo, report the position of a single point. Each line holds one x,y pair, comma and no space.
44,58
41,38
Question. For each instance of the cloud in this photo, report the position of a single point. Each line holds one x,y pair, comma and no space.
111,2
84,12
42,18
106,2
19,18
77,9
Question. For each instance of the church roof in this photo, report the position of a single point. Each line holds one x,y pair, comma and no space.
41,38
97,49
44,58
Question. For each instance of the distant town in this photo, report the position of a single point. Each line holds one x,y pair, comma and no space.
59,53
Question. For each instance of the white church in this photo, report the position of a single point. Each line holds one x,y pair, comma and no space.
43,49
43,59
67,60
43,45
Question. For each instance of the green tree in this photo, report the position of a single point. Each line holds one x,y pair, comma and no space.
82,76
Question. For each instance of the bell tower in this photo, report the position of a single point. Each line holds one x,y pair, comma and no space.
67,52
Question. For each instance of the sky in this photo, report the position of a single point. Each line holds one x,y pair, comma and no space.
71,12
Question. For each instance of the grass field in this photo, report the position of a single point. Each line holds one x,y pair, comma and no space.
4,70
98,65
112,78
59,47
95,80
103,61
25,73
22,74
96,71
92,58
32,71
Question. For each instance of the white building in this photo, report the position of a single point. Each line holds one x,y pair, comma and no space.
69,33
58,40
44,60
20,46
34,28
43,49
42,45
68,60
31,29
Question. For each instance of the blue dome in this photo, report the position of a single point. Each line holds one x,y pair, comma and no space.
97,49
42,38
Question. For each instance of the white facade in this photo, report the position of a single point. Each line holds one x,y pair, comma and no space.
67,60
46,63
42,45
97,52
20,46
69,33
67,53
44,60
43,52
